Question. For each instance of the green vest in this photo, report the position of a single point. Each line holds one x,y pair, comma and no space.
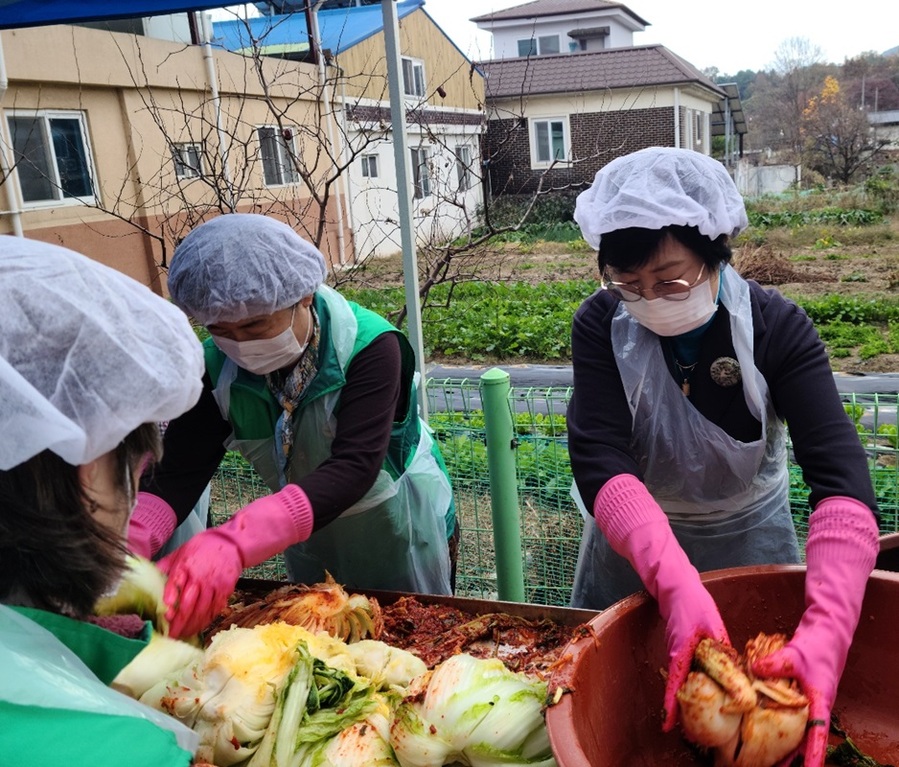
53,711
408,510
254,411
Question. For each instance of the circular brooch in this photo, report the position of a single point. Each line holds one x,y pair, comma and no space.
725,371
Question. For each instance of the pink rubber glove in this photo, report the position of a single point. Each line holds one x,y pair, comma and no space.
840,552
203,573
638,530
152,524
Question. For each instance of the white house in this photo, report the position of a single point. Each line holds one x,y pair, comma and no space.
444,101
568,91
547,27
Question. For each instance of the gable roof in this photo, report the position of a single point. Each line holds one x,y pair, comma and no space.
340,28
538,8
637,66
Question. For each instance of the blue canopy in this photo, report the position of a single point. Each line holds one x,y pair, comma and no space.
33,13
340,28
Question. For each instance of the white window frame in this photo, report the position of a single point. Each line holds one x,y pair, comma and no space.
698,129
414,82
187,157
422,183
544,162
285,171
536,46
464,176
370,166
695,130
43,117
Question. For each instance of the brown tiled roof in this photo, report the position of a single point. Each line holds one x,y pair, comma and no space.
553,8
634,67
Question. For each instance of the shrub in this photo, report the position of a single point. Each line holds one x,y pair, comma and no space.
548,209
883,188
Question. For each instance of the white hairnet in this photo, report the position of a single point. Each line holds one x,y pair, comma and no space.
86,355
659,187
242,265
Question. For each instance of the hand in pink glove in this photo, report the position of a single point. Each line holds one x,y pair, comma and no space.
152,524
840,552
203,573
638,530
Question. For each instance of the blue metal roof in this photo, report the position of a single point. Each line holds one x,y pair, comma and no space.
340,28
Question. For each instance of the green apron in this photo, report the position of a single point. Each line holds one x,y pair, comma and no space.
395,536
56,707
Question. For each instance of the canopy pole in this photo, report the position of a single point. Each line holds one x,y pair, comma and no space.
404,193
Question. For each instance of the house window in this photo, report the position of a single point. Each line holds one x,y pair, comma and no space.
544,45
527,47
188,159
694,130
278,149
369,166
463,167
421,174
549,139
547,45
52,156
413,77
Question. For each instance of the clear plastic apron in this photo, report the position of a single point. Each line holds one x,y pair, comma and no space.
195,522
394,537
728,501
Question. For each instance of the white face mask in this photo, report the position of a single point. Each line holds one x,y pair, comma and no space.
265,355
671,318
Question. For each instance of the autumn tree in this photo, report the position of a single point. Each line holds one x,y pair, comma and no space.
837,138
780,95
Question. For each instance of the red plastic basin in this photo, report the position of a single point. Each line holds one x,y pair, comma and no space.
611,714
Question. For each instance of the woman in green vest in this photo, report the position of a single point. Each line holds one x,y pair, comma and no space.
320,395
90,361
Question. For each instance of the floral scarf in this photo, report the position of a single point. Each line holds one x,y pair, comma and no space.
289,389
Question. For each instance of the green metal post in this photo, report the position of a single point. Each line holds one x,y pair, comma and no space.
495,388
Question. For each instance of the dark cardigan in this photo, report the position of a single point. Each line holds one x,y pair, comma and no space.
193,445
788,352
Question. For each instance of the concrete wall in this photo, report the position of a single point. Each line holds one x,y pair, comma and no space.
758,180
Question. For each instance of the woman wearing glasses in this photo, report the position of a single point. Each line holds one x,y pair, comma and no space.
685,375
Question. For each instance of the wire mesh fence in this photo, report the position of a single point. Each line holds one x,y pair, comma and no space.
550,522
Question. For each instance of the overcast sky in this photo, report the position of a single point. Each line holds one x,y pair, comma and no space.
711,33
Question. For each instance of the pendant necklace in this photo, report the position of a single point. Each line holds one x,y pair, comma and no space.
685,371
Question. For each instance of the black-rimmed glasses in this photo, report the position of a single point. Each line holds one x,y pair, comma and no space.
670,290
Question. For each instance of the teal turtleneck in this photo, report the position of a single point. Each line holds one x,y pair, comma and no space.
682,351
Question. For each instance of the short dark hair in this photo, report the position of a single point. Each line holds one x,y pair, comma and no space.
54,554
628,249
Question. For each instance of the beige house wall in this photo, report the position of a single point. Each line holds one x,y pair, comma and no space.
617,100
420,38
136,94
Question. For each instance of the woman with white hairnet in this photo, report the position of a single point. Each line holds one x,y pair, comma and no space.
684,375
319,394
90,360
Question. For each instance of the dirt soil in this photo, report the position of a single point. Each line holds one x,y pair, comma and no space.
866,270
